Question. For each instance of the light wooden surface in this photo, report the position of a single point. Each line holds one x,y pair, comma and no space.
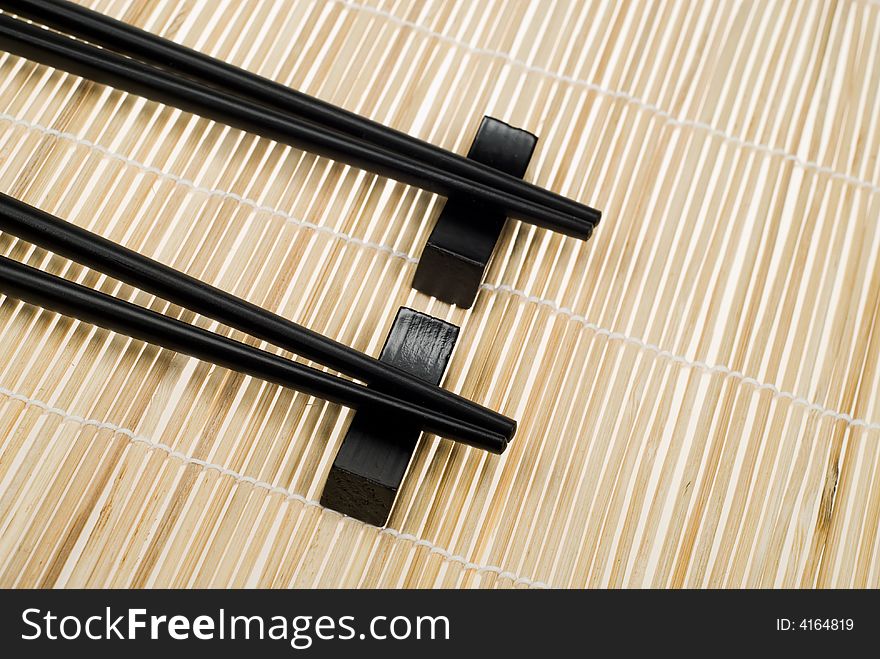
697,385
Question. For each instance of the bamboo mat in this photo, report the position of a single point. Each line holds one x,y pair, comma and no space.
697,386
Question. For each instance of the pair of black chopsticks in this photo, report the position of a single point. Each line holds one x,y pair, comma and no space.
396,393
136,61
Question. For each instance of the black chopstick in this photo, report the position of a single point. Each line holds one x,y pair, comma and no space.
41,45
102,30
70,299
89,249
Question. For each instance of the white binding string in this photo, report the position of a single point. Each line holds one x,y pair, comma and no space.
263,485
712,369
502,288
656,110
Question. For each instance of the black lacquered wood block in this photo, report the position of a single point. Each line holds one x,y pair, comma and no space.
374,456
458,250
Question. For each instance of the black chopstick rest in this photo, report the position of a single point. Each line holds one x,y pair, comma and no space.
375,453
459,248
